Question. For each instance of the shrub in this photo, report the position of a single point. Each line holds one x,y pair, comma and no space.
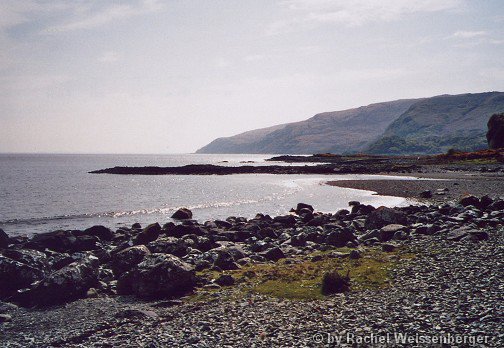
333,283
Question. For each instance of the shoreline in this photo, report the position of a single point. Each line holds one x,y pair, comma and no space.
244,281
443,186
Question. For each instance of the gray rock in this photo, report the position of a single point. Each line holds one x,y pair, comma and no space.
182,214
383,216
388,232
15,275
273,254
158,276
5,318
4,239
148,234
128,258
225,280
69,283
101,232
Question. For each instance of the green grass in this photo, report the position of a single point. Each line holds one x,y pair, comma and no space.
301,278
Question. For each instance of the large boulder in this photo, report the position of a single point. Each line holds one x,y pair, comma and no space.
182,214
338,236
15,275
4,239
148,234
301,206
495,135
69,283
383,216
169,245
128,258
388,232
158,276
60,241
101,232
32,258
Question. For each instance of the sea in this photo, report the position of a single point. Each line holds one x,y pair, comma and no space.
47,192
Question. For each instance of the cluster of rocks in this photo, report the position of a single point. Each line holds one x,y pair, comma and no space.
161,261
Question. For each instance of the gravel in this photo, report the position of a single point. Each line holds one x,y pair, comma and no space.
450,288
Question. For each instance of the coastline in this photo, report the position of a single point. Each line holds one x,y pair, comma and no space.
444,186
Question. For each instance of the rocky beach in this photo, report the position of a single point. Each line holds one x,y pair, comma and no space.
362,276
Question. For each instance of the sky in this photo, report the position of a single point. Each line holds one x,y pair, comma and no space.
152,76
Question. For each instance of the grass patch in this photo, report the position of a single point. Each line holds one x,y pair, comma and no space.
301,278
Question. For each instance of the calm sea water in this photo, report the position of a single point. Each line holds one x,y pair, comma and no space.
41,193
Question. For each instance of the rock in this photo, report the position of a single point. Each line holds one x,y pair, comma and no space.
495,134
339,237
383,216
158,276
477,236
466,232
69,283
30,257
225,260
426,194
84,243
301,206
4,239
101,232
7,307
388,248
148,234
273,254
225,280
470,200
92,293
60,241
387,232
485,201
288,220
169,245
497,205
5,318
298,240
355,254
182,214
128,258
15,275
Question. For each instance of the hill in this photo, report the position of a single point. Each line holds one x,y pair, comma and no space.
409,126
338,132
436,124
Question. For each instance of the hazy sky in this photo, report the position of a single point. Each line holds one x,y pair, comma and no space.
169,76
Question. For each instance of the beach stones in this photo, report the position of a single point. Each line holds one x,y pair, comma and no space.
158,276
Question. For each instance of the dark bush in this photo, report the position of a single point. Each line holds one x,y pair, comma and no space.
333,283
